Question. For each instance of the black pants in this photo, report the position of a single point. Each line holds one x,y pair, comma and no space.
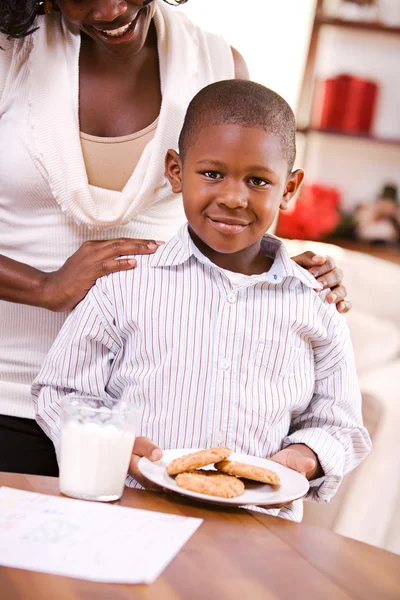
25,448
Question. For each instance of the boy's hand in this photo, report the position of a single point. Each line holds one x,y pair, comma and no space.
144,447
300,458
323,268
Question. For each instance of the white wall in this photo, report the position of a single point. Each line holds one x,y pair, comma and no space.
373,56
272,36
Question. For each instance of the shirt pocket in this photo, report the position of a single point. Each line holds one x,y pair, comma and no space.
283,380
277,360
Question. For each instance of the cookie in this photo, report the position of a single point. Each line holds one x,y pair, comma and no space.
248,471
211,483
198,459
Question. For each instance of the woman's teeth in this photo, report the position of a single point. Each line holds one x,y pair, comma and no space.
119,31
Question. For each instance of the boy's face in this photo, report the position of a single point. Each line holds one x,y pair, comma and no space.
233,181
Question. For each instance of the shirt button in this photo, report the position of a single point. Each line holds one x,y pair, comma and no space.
231,298
220,438
225,364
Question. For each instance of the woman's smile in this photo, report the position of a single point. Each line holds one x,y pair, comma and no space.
111,24
122,34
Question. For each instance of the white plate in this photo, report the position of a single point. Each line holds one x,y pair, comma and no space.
293,485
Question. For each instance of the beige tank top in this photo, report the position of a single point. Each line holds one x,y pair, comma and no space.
111,161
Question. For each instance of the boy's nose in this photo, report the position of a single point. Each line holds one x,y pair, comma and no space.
234,197
108,10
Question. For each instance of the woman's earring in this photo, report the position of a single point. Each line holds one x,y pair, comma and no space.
48,6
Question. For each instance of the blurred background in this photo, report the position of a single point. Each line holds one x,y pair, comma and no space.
337,63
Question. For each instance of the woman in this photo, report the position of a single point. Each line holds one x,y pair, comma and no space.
90,101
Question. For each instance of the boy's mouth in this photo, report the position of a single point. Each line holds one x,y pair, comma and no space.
227,225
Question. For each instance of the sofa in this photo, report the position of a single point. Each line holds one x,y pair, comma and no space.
367,506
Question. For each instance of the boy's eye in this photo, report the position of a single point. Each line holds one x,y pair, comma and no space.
212,174
258,182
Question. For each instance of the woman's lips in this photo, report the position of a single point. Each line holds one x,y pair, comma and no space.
227,227
118,32
121,34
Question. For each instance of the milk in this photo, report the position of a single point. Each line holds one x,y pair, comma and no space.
94,460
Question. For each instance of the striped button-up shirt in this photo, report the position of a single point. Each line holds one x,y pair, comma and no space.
256,366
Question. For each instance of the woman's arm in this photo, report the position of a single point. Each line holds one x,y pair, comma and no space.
20,283
241,69
63,289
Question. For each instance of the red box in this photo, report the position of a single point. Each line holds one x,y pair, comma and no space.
345,103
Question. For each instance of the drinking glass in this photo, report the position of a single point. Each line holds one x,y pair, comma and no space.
97,437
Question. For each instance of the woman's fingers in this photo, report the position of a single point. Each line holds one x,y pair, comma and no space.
344,306
309,259
122,247
331,279
108,255
330,276
116,255
64,288
337,294
105,267
325,271
323,268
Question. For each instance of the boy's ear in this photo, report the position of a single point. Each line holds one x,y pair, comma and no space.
292,187
173,170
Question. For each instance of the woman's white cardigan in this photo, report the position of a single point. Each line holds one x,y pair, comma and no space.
47,207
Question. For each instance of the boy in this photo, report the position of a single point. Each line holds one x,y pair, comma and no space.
219,336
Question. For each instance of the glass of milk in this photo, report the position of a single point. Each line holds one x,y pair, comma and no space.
96,445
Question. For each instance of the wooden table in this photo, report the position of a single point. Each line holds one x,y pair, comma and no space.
234,555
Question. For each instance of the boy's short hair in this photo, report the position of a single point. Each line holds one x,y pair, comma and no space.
244,103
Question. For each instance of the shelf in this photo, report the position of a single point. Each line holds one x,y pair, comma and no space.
357,25
358,136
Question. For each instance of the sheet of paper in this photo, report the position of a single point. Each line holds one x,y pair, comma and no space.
88,540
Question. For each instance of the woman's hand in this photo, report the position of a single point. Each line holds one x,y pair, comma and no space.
323,268
144,447
62,290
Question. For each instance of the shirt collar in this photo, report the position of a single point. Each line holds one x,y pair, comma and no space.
283,266
175,252
181,248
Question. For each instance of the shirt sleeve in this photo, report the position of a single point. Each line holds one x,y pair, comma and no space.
82,360
332,424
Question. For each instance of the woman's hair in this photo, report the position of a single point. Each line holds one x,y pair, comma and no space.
17,17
